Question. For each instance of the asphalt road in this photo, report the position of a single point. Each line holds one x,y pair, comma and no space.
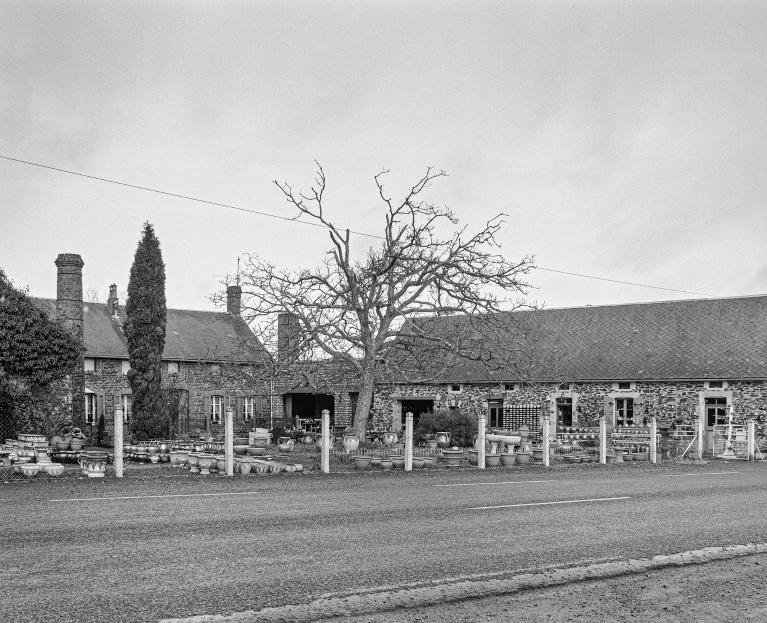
151,548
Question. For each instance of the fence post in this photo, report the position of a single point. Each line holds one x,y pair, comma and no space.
325,459
119,450
700,438
602,440
229,441
751,440
653,440
480,447
546,444
408,442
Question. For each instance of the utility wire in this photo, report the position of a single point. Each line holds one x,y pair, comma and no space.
293,220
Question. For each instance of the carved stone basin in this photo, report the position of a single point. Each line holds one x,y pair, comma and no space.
508,440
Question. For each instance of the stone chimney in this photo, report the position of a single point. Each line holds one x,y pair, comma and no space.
234,300
69,310
288,333
112,301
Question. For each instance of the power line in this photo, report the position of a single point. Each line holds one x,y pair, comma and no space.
628,283
293,220
177,195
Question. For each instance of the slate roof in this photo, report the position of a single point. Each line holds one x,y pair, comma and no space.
723,338
189,336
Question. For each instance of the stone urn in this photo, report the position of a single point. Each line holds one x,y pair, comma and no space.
443,439
194,463
205,461
93,466
418,463
351,442
473,457
397,461
429,461
260,442
386,464
538,454
256,450
241,449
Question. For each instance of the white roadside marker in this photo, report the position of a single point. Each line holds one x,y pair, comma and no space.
481,508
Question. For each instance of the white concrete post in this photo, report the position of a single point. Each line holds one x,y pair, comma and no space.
546,441
481,441
408,442
751,440
119,449
700,438
229,441
653,440
603,440
325,458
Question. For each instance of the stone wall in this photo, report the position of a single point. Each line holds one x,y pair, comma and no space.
197,382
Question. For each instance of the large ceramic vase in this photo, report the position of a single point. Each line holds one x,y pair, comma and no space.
351,442
443,439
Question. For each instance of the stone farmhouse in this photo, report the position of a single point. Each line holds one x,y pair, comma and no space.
676,360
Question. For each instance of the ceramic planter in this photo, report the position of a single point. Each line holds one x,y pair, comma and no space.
54,469
256,451
452,457
492,460
398,462
245,467
443,439
523,458
538,455
29,470
429,461
473,457
418,463
361,462
508,459
75,443
194,463
386,464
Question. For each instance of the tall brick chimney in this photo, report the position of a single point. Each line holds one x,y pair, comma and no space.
112,301
234,300
69,310
288,334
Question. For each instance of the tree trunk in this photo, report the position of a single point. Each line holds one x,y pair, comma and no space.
364,401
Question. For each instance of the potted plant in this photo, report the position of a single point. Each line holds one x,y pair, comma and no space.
361,461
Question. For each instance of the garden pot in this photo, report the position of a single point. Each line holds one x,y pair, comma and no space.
429,461
260,442
308,439
154,458
431,444
361,461
351,442
29,470
508,459
386,464
418,463
473,457
241,449
194,463
75,444
443,439
492,460
221,464
375,462
452,457
538,455
256,451
245,467
54,469
523,458
398,462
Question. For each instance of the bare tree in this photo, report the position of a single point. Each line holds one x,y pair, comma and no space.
92,295
374,315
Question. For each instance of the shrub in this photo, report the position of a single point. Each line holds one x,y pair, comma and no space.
461,426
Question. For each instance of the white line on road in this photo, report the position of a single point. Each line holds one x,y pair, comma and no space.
169,495
704,474
505,482
481,508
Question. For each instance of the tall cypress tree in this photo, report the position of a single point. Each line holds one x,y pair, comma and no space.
145,331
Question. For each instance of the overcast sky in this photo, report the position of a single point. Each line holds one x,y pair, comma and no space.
625,140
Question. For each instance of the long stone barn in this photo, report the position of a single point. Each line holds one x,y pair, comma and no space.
676,360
